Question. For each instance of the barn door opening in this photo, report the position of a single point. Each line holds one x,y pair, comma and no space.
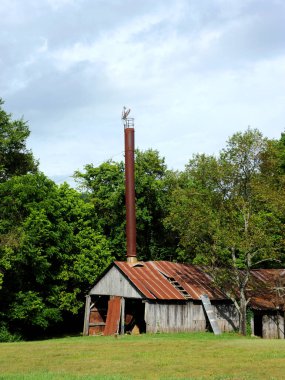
112,315
134,316
257,324
97,315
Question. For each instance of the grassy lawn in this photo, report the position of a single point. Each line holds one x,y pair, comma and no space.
161,356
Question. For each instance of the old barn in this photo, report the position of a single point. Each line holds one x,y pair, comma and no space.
161,296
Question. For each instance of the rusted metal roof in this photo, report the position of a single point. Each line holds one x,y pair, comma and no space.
164,280
191,277
267,289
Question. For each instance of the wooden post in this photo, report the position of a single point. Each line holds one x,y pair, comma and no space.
87,315
122,316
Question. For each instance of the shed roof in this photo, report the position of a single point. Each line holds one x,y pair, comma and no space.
267,289
164,280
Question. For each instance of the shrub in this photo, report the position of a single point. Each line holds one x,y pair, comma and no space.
7,336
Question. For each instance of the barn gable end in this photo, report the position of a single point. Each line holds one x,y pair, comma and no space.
114,283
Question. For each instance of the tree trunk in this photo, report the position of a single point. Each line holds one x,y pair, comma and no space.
243,305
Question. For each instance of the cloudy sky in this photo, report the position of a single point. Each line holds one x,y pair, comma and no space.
192,71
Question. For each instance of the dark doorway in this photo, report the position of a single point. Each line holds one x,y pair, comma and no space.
134,316
257,325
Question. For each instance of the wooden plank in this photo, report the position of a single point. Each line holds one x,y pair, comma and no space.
113,316
87,315
123,316
211,314
97,324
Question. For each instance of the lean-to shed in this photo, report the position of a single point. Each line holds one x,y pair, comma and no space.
267,302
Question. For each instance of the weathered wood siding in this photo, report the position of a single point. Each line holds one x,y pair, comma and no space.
165,317
227,316
188,316
270,326
115,284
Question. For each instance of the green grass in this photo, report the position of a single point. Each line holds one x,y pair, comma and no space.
161,356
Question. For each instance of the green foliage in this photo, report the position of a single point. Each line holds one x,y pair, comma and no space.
31,308
249,318
105,186
15,159
7,336
52,246
54,258
226,212
229,212
154,240
227,203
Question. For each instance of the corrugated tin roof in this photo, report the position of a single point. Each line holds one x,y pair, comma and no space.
157,279
263,288
192,278
164,280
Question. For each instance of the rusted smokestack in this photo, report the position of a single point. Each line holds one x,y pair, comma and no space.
130,185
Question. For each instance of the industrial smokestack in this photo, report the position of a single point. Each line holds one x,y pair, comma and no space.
130,185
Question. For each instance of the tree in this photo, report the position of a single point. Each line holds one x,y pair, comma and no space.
228,213
154,240
105,187
60,252
15,158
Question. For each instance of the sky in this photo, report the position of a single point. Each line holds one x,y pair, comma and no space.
193,72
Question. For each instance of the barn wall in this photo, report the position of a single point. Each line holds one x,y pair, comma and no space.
270,326
115,284
188,316
227,316
165,317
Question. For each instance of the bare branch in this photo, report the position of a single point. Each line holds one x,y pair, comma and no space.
269,259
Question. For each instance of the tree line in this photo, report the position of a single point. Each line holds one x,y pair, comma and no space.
226,212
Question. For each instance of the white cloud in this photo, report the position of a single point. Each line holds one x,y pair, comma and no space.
129,59
192,72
